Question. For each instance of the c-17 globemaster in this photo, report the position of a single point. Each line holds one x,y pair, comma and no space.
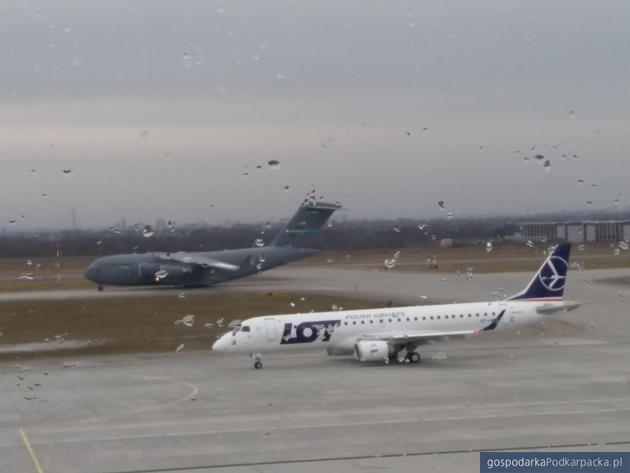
198,269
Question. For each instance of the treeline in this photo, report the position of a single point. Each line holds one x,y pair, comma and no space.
353,235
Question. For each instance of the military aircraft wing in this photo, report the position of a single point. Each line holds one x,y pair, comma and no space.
198,260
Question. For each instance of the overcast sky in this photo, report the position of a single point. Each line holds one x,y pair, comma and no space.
160,108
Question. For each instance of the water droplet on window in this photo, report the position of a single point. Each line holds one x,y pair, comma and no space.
11,222
530,243
179,348
581,247
147,231
547,166
539,157
624,245
76,62
280,75
396,228
188,320
273,163
390,263
450,215
171,226
580,182
489,247
161,274
589,203
442,205
259,242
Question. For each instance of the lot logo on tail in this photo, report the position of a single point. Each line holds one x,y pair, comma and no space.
553,274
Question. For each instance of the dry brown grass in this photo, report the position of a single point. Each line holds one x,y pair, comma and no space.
144,324
501,259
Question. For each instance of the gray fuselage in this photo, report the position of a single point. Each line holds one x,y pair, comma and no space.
159,269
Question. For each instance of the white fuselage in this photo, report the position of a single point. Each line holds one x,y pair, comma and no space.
338,331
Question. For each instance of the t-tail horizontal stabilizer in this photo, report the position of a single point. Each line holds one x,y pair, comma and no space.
305,224
548,283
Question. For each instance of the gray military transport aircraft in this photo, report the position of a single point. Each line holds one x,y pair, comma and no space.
199,269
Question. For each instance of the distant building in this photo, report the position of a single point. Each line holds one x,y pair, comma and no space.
576,232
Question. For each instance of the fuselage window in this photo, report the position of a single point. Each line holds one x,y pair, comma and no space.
431,317
390,321
345,323
381,321
424,317
371,321
245,328
354,322
477,315
438,317
461,316
363,321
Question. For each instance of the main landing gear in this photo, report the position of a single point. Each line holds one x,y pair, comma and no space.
406,356
258,360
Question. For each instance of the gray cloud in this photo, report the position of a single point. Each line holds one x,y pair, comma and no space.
329,88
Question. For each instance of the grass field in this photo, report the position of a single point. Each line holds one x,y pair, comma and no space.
141,324
512,258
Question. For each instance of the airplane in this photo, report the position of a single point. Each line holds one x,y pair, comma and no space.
201,269
388,334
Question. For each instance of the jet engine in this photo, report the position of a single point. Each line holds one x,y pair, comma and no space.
371,350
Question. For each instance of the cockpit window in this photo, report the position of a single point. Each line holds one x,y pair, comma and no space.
245,328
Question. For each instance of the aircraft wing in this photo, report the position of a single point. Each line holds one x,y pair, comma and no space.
197,260
420,338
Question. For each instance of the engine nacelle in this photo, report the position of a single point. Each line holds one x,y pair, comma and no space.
371,350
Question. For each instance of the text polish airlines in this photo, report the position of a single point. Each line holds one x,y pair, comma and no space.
396,333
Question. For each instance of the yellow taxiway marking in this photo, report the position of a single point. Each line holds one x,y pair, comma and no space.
27,444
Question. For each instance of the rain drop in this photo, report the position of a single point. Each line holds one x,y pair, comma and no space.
489,247
259,242
147,231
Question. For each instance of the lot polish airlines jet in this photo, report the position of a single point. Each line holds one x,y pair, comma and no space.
395,333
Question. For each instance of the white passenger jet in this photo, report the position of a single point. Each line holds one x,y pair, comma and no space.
395,333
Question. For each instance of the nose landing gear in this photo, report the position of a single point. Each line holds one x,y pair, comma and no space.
258,360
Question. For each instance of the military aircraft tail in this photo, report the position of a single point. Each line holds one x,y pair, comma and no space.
305,224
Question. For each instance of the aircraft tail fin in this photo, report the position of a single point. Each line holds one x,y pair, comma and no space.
305,224
548,283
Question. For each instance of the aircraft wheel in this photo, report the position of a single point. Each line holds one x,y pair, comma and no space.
100,289
413,357
258,365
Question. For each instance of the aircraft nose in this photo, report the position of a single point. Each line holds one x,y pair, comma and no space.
90,272
220,345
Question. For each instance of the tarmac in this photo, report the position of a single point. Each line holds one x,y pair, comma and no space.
562,385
